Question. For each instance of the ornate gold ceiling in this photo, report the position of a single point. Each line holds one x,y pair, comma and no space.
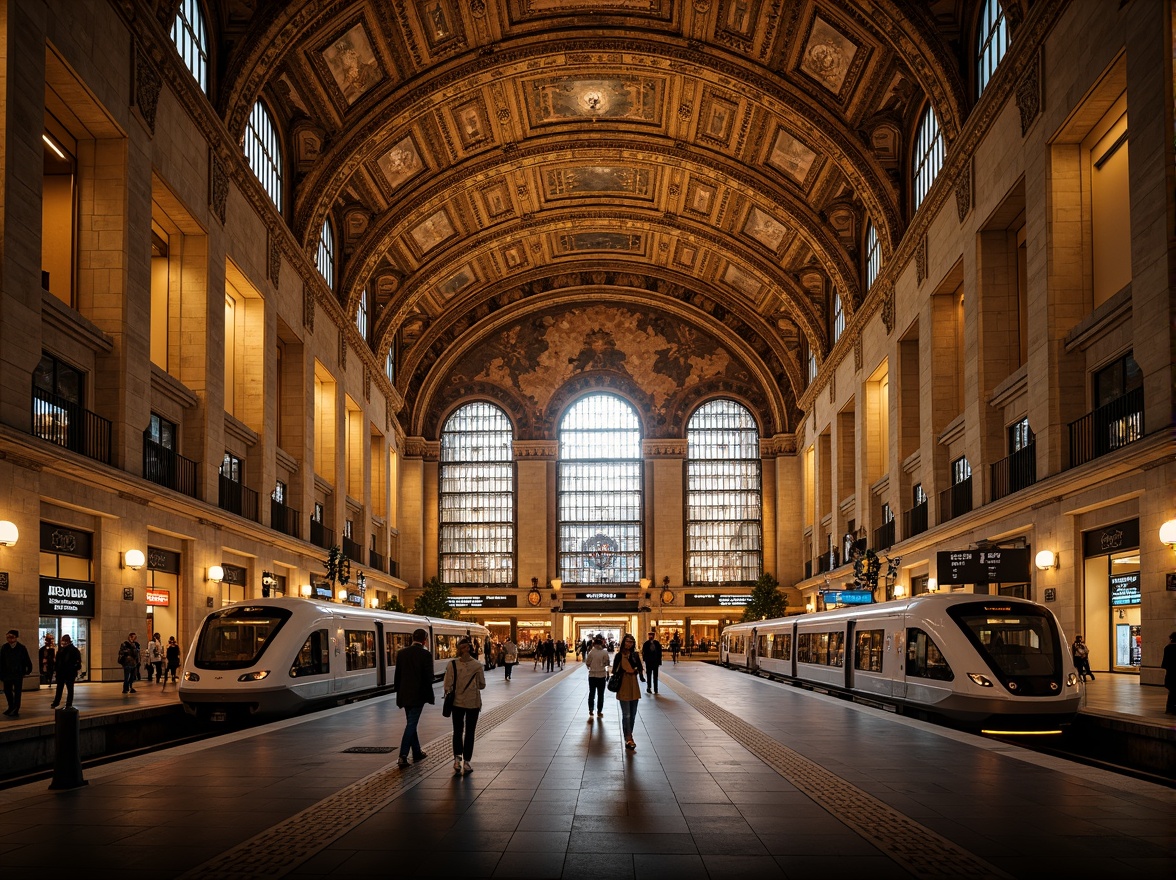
705,166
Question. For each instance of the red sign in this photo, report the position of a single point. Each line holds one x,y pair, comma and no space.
158,597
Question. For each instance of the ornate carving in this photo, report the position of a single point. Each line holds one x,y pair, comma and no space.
535,450
148,85
308,307
273,258
367,383
833,386
419,447
218,186
663,448
478,7
781,444
963,191
685,110
702,5
1014,15
921,260
1029,93
857,353
342,349
888,309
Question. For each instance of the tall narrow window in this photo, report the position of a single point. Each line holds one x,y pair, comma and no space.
961,470
390,364
928,156
992,38
264,152
838,322
724,533
599,505
361,314
477,497
326,254
812,367
1020,435
873,256
191,39
58,212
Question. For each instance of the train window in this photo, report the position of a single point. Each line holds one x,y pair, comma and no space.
781,646
924,659
315,656
361,649
1016,640
823,649
394,642
762,650
836,649
444,646
868,650
236,637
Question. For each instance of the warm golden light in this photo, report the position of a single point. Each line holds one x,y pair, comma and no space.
9,534
216,573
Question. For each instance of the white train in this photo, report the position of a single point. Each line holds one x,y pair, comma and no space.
989,661
280,656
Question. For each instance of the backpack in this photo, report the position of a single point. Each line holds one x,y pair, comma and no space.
124,654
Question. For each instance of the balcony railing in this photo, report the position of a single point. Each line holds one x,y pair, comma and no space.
165,467
1015,472
65,423
884,536
808,569
914,521
1107,428
238,499
393,568
376,561
955,500
353,550
285,519
321,536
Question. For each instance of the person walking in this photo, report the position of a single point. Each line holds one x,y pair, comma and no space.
413,680
69,664
510,656
596,659
1168,664
548,655
172,653
47,659
15,664
465,679
128,659
675,648
1081,654
628,661
155,659
651,653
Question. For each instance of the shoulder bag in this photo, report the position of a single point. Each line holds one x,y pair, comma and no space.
447,703
614,680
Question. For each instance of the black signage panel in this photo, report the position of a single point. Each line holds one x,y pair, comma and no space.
65,541
488,601
601,596
66,598
163,560
997,566
1120,536
723,600
1126,589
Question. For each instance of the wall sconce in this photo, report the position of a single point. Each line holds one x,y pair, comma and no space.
305,590
216,574
342,594
134,560
556,583
1045,560
900,591
9,533
1167,533
932,587
808,606
645,583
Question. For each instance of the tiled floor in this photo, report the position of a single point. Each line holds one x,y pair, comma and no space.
733,777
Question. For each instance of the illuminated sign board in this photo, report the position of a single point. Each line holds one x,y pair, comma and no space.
999,566
65,598
723,600
487,601
1126,589
158,597
848,597
608,597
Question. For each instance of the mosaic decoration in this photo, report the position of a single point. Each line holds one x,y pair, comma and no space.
569,99
589,242
827,56
597,179
353,63
432,231
791,156
764,228
400,163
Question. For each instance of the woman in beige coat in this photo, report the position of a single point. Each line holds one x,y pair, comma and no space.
628,661
465,679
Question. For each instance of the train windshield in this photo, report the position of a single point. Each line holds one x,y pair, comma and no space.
236,637
1016,640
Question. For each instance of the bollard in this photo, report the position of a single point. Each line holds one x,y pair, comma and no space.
67,760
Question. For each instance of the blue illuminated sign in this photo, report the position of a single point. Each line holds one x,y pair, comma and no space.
848,597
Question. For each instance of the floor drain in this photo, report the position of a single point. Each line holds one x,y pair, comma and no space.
370,750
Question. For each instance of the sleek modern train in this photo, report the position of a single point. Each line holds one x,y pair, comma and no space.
283,655
987,661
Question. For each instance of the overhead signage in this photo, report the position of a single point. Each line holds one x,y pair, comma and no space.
608,597
1110,539
723,600
64,541
65,598
487,601
1126,589
848,597
995,566
323,590
158,597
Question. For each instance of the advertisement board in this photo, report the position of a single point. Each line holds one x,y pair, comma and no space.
996,566
66,598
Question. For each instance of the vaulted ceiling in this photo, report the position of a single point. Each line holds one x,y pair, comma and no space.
705,166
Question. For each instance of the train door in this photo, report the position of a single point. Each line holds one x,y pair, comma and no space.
850,654
338,663
752,654
381,656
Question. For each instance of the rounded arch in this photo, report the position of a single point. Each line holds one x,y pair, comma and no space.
262,145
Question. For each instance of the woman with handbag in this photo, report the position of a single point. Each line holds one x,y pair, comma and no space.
628,664
464,680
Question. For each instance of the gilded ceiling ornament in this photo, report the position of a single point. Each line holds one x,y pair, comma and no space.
685,110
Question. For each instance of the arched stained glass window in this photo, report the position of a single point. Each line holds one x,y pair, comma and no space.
477,497
992,43
264,152
724,508
599,496
928,155
326,254
191,38
873,256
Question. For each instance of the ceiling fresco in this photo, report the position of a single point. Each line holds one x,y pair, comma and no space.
469,155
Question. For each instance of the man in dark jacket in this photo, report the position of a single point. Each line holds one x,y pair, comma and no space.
651,654
69,663
413,680
15,664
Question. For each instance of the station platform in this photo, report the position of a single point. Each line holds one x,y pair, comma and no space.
734,776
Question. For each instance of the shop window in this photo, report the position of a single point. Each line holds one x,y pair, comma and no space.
58,211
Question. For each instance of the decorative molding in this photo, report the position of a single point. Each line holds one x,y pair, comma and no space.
542,450
921,260
663,448
218,185
342,350
832,387
308,307
133,498
888,308
273,258
419,447
963,191
148,85
1029,92
857,353
780,445
21,461
367,383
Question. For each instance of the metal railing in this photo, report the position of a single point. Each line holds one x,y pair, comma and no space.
376,561
884,536
393,568
914,521
65,423
1015,472
285,519
166,467
321,536
1107,428
353,550
236,498
955,500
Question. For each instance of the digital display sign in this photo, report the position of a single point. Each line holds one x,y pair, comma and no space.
996,566
1126,589
848,597
496,600
65,598
723,600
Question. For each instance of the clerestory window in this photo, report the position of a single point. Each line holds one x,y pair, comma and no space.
190,36
928,156
992,42
263,150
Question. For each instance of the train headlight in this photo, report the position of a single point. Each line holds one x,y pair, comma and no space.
981,680
1072,680
191,676
254,676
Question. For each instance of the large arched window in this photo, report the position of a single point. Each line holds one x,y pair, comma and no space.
600,537
264,152
477,497
191,38
724,511
992,40
928,155
325,258
873,256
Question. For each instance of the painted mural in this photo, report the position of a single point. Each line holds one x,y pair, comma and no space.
568,99
353,63
828,55
595,180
